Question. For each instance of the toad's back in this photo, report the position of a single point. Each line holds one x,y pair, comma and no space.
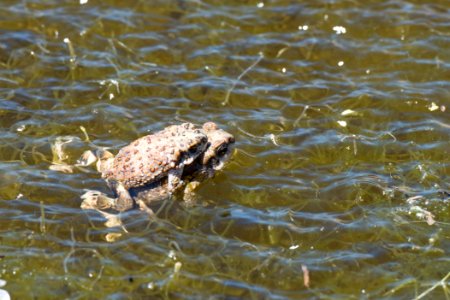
151,157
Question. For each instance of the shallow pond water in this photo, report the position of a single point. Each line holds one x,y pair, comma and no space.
338,188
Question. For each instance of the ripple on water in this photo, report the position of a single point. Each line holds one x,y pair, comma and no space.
339,184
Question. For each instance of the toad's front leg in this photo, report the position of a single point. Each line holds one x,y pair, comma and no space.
174,179
124,200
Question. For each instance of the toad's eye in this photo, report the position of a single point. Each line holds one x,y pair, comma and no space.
193,150
222,151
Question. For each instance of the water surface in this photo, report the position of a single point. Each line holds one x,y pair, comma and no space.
338,189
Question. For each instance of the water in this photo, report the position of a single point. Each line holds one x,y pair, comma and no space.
339,187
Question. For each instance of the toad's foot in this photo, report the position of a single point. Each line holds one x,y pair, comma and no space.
96,200
124,200
102,157
145,208
189,196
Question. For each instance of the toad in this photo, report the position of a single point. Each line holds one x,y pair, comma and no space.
218,150
150,159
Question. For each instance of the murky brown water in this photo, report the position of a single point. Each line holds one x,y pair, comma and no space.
339,188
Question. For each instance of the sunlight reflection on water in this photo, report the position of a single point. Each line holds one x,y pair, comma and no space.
339,184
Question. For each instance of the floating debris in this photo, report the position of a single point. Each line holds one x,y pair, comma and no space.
433,106
305,276
4,295
422,214
64,168
58,148
340,29
273,138
303,27
342,123
227,97
349,112
87,158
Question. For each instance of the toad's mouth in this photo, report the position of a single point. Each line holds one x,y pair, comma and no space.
222,156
